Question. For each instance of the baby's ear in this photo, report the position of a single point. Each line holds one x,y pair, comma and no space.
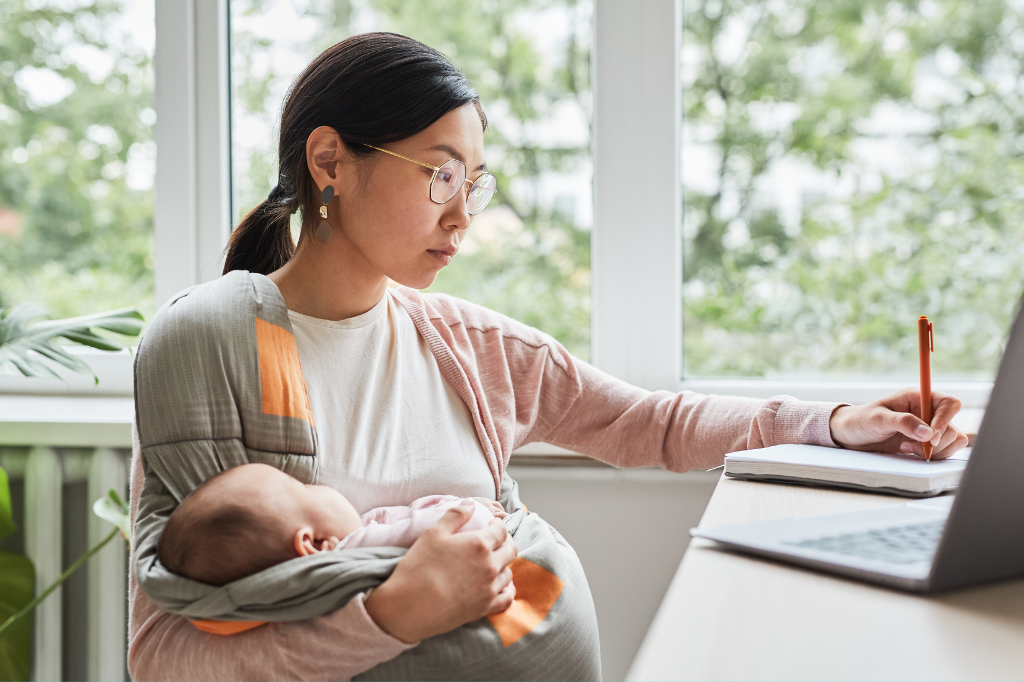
304,542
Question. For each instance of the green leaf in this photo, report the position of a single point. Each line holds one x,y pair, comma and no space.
17,585
7,525
113,510
26,337
92,340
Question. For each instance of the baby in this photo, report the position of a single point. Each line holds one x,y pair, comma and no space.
254,516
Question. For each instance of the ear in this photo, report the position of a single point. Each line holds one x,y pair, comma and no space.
324,153
304,542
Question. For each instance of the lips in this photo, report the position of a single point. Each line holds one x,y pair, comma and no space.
448,250
444,255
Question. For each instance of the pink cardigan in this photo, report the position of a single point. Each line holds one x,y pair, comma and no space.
521,386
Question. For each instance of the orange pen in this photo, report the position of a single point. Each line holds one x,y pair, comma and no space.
926,346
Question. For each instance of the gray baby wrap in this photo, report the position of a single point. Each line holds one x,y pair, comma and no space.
218,384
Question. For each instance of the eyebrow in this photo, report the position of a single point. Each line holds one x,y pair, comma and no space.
448,149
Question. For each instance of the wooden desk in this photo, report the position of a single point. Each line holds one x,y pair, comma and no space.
726,616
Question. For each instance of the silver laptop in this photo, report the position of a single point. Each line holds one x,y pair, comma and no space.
942,543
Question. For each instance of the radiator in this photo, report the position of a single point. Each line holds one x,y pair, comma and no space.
80,630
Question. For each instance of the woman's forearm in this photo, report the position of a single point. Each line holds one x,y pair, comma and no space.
337,646
627,426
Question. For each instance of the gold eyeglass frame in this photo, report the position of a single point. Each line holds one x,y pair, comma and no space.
436,170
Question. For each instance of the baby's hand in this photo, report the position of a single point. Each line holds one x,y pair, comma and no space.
493,506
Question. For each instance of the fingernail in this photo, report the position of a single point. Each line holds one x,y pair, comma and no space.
906,448
466,503
936,438
923,431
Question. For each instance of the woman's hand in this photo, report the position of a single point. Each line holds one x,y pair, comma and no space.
446,579
893,424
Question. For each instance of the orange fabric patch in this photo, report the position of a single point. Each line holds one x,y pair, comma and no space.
225,627
281,382
537,589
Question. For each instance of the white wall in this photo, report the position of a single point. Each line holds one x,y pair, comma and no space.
630,529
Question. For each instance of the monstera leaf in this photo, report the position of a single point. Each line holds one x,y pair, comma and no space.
17,584
27,338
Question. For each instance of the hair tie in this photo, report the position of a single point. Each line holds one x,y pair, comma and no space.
276,194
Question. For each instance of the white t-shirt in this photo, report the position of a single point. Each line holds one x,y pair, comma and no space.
390,428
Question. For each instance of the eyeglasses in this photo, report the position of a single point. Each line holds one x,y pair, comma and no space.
449,177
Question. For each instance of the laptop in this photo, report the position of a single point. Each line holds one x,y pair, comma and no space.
931,545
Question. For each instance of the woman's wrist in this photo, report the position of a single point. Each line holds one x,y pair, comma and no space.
836,424
388,610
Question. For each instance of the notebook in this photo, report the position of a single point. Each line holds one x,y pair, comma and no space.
812,465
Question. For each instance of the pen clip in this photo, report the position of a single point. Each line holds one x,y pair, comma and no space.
931,336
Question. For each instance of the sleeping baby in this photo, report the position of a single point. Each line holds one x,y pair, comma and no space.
254,516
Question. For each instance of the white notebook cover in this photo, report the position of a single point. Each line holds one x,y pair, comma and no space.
809,464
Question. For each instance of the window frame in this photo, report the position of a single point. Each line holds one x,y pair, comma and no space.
636,243
192,212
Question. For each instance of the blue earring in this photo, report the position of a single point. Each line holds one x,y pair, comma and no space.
324,231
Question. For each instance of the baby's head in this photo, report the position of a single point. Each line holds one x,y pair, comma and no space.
249,518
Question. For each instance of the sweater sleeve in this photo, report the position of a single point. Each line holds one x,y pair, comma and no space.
522,386
557,398
162,646
627,426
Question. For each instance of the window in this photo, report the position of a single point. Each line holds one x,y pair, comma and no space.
528,254
77,157
847,167
862,168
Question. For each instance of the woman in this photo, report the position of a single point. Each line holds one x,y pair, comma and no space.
382,154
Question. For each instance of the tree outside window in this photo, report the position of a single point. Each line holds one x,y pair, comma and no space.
77,157
850,165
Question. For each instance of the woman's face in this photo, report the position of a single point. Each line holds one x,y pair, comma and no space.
384,207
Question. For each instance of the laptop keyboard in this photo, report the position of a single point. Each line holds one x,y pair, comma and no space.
897,545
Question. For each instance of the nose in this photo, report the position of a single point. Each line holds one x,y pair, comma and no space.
456,214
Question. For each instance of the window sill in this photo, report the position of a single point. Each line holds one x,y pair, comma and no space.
114,371
973,394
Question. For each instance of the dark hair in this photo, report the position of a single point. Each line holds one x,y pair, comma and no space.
217,541
372,89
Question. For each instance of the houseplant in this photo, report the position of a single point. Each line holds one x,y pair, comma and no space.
29,346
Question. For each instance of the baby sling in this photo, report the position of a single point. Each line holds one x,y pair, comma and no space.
219,384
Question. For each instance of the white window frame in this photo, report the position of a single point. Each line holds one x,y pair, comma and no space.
636,256
192,215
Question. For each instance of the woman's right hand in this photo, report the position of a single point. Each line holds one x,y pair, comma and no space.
446,579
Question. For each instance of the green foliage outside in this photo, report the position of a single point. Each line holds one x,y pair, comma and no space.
932,225
75,237
522,257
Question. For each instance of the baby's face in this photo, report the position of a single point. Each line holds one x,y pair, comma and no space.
321,510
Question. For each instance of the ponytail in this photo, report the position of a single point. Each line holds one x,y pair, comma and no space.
372,89
262,242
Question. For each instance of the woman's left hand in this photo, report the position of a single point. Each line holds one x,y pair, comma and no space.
892,425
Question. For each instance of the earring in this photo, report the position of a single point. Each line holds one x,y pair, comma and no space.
324,232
